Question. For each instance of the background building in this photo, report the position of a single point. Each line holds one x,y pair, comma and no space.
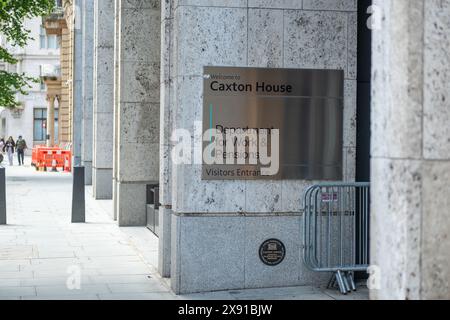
60,87
38,58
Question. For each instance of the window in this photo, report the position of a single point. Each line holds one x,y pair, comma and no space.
41,73
40,124
43,38
52,42
48,42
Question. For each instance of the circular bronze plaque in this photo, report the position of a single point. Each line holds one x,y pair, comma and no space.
272,252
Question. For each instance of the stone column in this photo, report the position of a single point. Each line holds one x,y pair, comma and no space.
77,83
87,88
51,120
116,104
165,210
103,98
217,227
137,107
410,222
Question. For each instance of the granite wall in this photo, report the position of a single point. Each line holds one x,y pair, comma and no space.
136,145
103,117
87,58
77,84
212,229
411,150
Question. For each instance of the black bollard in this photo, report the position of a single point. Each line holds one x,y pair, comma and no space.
78,199
2,196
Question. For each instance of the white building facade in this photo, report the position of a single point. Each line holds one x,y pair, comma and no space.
39,57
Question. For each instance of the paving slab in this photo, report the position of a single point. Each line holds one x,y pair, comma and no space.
17,291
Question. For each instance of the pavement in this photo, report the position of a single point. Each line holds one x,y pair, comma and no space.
45,257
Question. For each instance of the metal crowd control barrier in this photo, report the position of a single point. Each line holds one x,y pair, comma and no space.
336,231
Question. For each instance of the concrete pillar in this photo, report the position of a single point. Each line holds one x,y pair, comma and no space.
217,227
51,120
77,83
165,210
103,99
137,107
87,88
410,222
116,103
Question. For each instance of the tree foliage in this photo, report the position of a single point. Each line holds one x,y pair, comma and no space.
13,13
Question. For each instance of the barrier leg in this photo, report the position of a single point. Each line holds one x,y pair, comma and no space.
346,284
2,196
78,198
332,282
341,283
351,281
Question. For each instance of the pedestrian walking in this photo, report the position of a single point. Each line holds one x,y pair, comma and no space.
21,146
9,148
2,145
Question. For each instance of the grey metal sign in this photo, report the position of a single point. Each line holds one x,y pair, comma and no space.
306,106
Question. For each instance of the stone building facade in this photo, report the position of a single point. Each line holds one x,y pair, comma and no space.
141,78
60,23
